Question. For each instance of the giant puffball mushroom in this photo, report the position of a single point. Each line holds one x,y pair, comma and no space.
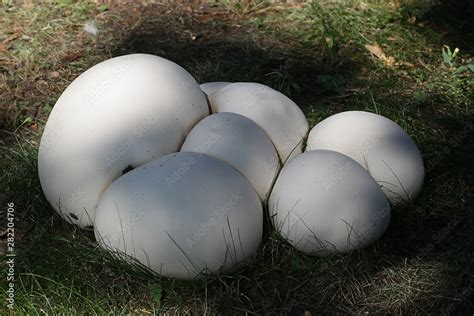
280,117
324,202
379,145
213,87
210,88
117,115
240,142
180,215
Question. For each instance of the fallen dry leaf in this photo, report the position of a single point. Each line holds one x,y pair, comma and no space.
28,5
390,61
377,51
71,57
10,38
53,74
404,63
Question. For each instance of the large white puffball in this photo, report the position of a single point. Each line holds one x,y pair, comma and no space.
212,87
379,145
324,202
240,142
181,214
117,115
280,117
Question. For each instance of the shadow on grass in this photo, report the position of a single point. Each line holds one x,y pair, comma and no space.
454,19
227,53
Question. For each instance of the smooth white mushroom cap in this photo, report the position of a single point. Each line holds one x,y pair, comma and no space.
280,117
122,112
212,87
181,214
241,143
379,145
324,202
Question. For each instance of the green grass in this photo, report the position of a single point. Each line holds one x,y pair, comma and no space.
315,54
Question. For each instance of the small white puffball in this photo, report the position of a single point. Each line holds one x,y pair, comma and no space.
379,145
241,143
324,202
180,215
280,117
119,114
212,87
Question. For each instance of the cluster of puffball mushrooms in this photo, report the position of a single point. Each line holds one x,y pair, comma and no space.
178,176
